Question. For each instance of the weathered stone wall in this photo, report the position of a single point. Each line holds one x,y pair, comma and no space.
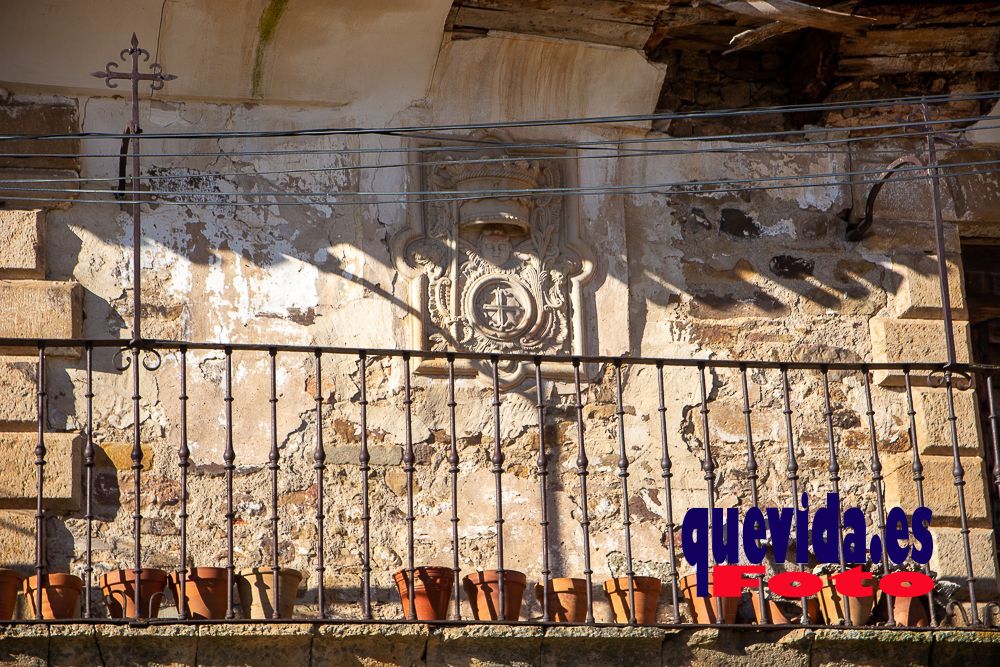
419,645
756,274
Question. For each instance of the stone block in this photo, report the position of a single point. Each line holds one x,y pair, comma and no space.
869,647
602,646
933,427
159,645
29,117
73,645
18,391
965,647
19,192
485,646
39,309
948,560
61,480
939,489
376,644
24,645
919,292
902,341
22,238
17,541
255,644
711,647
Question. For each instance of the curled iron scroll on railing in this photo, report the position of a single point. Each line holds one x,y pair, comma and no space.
617,369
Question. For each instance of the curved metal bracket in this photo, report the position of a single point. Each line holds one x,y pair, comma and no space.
856,230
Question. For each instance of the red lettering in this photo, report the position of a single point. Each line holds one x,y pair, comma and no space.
795,584
729,580
906,584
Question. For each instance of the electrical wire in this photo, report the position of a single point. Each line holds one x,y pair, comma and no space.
498,192
576,120
781,148
686,188
548,145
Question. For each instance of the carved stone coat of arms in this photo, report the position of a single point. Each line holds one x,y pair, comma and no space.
497,272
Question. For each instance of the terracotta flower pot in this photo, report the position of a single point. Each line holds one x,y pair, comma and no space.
647,597
567,599
431,592
205,591
832,604
60,595
483,591
705,610
118,588
909,612
10,584
784,613
256,588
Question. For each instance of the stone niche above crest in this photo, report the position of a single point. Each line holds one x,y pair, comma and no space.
494,273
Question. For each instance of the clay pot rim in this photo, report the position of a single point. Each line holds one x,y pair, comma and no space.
248,572
609,585
402,575
491,576
126,576
6,573
196,573
574,585
53,579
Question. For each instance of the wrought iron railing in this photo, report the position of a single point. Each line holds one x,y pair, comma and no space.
583,372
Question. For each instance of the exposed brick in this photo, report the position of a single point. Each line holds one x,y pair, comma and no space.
901,341
933,427
18,391
22,235
61,479
39,309
939,489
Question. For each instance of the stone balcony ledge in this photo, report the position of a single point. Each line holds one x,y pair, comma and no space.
416,644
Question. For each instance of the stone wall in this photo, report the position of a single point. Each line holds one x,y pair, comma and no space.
759,274
420,645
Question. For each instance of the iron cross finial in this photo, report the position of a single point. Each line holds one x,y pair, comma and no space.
156,77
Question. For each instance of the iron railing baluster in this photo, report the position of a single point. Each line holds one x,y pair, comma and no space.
708,466
878,483
623,476
408,467
665,467
752,476
40,556
137,479
497,460
958,473
543,475
834,471
364,459
183,455
319,465
453,462
918,473
582,464
273,458
229,459
88,462
792,470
